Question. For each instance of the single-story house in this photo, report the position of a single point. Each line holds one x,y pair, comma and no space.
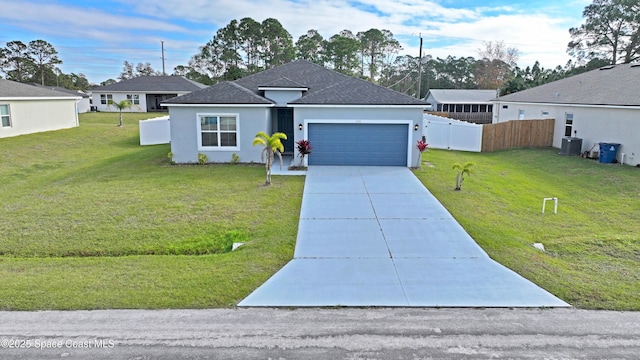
462,104
348,121
26,109
84,105
146,93
601,105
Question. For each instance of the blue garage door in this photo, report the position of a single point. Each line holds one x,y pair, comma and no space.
358,144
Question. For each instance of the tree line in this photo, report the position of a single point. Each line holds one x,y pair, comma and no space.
245,46
610,34
35,62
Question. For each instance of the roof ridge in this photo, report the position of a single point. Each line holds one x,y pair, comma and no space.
244,89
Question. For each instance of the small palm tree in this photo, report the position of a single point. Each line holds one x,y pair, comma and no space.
272,146
122,105
462,170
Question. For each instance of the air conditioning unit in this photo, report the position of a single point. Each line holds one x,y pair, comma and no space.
571,146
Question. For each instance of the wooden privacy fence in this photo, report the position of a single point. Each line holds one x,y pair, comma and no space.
517,133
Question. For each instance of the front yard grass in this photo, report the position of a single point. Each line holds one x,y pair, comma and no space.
89,219
593,242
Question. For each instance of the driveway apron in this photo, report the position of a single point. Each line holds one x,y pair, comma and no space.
375,236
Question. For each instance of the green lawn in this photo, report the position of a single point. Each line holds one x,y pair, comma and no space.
91,220
593,243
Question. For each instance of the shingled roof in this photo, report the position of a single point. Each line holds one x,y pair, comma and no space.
617,85
325,87
64,90
164,83
11,89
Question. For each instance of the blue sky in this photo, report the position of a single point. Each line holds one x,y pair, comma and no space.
96,37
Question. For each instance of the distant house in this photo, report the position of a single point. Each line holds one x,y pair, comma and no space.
26,109
601,105
349,121
146,93
468,105
84,105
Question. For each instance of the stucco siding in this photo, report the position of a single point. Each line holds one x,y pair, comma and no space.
31,116
117,97
84,105
184,133
282,97
593,125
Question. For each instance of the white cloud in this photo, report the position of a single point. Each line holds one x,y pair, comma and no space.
133,30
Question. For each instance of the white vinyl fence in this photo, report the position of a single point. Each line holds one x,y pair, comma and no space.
444,133
155,131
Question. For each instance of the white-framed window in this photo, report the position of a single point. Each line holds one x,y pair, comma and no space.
520,114
568,124
106,99
5,116
544,113
134,98
218,131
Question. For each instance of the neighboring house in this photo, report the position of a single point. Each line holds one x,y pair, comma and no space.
146,93
601,105
84,104
468,105
26,109
349,121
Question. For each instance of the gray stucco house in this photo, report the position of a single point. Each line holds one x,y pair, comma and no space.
349,121
601,105
146,93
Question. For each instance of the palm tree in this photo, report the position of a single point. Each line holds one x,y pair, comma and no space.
122,105
462,171
272,146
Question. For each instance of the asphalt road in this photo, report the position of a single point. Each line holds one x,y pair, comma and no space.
340,333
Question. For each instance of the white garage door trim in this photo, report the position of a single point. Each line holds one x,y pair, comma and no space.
409,124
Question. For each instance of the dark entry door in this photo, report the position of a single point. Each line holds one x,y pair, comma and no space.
285,125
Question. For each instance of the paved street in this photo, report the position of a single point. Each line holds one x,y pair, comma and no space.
313,333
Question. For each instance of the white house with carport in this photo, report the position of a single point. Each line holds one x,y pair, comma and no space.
598,106
349,121
26,109
146,93
463,104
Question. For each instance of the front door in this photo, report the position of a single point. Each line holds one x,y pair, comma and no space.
285,125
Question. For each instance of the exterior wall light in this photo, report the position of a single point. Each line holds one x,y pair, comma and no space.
415,128
299,126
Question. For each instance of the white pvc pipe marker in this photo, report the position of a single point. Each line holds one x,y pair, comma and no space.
555,204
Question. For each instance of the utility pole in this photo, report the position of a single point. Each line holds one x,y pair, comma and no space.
162,43
419,68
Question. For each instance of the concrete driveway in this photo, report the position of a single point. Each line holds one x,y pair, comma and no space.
375,236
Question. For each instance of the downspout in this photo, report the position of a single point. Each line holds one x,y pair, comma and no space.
77,117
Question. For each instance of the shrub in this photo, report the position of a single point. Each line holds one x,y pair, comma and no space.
235,158
202,159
